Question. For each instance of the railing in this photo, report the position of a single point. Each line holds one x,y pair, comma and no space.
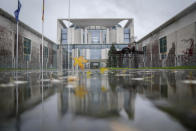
93,46
150,60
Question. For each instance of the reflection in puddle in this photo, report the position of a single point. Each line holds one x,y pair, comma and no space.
189,81
121,100
138,79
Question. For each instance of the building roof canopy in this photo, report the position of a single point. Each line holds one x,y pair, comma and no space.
97,22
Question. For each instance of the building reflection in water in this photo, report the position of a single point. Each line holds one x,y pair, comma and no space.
14,101
108,95
97,100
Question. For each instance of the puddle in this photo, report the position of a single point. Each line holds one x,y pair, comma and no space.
94,101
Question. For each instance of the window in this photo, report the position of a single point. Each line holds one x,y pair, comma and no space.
95,36
95,54
64,36
127,31
163,56
163,45
114,27
144,50
46,52
127,38
27,49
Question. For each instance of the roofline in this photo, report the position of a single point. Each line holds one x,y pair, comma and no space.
61,22
69,19
128,22
170,21
12,19
95,19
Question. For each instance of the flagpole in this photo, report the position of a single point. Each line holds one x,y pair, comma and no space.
42,65
70,34
42,56
17,45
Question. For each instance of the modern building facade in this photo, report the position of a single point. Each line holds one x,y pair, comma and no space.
92,38
172,43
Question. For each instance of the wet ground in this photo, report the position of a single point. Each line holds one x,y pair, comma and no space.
114,100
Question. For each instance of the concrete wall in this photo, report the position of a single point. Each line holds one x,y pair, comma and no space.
112,34
8,44
181,37
120,35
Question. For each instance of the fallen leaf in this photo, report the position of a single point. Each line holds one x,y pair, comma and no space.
103,70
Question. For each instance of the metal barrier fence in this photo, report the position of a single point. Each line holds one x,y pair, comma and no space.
151,60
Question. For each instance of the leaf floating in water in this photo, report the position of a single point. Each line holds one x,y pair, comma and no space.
72,78
7,85
103,89
55,81
148,71
12,83
80,91
19,82
138,79
70,86
189,81
103,70
123,75
45,80
88,74
124,71
150,77
62,78
11,79
174,71
191,75
117,126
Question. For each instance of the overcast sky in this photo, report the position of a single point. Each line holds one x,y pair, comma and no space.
147,14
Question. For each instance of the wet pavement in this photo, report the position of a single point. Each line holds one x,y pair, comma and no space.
114,100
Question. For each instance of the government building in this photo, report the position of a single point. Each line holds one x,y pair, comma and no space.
92,39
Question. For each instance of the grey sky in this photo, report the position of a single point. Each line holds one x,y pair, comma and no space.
147,14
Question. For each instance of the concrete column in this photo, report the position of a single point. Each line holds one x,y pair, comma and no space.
86,35
81,36
101,38
132,30
60,60
77,57
59,51
73,56
107,36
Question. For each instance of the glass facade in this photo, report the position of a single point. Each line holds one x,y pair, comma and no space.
127,38
95,54
64,36
97,35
